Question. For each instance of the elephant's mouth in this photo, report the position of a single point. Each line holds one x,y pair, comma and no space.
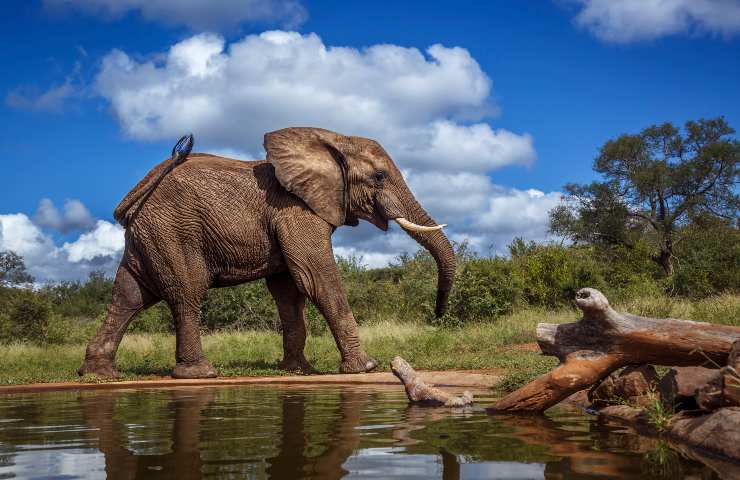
376,220
387,208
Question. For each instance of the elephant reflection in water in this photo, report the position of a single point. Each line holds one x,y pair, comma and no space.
183,461
297,432
344,438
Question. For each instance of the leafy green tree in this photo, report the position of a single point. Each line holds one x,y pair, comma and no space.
13,269
653,184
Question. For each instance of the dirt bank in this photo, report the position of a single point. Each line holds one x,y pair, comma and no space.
475,379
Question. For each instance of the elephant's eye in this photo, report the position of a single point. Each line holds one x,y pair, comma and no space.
379,176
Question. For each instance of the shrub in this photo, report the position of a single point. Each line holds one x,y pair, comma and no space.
708,260
373,294
315,323
417,286
155,319
244,306
630,272
5,328
81,299
484,290
550,275
65,330
539,275
28,317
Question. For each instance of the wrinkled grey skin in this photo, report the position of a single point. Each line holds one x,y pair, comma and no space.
215,222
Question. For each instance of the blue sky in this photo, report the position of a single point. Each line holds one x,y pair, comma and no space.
513,102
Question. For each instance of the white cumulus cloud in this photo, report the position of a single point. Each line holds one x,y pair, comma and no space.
105,240
97,249
230,95
517,213
624,21
196,14
487,215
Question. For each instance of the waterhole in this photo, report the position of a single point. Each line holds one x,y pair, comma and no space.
323,432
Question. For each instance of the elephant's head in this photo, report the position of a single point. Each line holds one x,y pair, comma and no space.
344,179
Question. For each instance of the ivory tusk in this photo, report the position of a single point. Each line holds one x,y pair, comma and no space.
417,228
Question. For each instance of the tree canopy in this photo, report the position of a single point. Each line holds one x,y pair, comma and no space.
13,269
653,184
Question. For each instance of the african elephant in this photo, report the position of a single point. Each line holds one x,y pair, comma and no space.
216,222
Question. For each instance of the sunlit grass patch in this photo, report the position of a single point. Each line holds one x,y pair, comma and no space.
485,345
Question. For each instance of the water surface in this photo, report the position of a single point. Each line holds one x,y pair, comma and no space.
304,432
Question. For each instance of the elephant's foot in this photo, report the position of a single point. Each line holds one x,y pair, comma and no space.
103,368
359,363
200,369
302,365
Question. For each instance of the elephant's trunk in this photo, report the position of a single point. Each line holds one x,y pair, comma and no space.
437,244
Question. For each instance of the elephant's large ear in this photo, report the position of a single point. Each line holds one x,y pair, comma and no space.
308,164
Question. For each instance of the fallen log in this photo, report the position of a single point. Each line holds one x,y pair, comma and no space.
423,393
604,341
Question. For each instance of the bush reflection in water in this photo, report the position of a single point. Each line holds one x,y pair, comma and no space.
327,432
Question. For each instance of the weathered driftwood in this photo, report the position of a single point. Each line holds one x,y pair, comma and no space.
420,392
604,340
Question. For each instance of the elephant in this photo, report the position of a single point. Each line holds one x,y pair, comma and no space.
211,222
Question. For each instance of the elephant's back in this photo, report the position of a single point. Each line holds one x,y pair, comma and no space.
210,161
206,182
195,163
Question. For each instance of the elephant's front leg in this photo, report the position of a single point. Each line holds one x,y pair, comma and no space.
306,245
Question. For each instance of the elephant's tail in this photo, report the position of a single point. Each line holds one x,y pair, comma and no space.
125,211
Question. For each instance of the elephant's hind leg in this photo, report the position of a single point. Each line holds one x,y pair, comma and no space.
129,298
191,361
291,304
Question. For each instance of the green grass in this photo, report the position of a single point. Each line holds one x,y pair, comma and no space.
658,414
486,345
719,309
257,353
